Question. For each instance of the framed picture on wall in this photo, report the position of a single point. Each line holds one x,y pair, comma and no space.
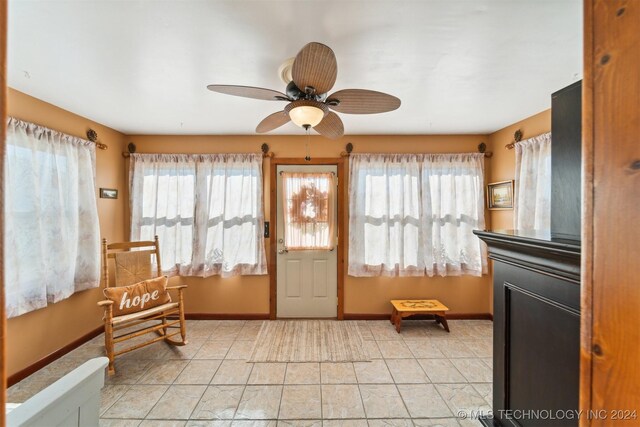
500,195
108,193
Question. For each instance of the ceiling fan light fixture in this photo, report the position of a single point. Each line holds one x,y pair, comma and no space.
306,112
306,115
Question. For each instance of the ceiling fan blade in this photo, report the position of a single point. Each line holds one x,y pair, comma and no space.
249,92
362,101
331,126
273,121
315,66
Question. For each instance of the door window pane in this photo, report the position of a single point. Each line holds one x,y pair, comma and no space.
309,210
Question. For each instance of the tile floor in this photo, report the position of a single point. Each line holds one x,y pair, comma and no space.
421,377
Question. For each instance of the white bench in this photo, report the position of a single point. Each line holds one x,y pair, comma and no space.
73,400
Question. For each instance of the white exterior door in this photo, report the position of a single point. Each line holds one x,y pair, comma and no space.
307,277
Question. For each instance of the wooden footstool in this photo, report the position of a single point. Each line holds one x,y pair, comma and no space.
411,307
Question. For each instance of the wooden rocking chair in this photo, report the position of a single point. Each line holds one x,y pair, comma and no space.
132,267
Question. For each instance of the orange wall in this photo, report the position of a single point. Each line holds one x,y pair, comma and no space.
34,335
503,162
362,295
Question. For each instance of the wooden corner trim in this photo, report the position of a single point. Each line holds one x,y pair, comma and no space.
3,128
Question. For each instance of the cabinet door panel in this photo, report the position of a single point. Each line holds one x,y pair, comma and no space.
543,350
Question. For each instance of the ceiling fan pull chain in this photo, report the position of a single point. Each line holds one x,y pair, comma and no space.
307,157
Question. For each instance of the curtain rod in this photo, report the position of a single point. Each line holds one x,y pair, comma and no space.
92,136
269,154
517,137
482,148
131,147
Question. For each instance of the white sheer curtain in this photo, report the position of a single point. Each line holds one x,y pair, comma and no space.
229,217
309,206
162,200
413,214
532,204
453,206
52,234
205,209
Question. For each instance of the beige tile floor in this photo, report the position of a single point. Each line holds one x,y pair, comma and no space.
421,377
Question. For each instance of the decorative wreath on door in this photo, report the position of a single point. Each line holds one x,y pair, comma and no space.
309,205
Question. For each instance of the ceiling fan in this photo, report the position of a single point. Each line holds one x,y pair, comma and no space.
310,76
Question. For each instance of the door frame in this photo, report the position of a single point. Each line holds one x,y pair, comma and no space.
3,129
609,247
273,253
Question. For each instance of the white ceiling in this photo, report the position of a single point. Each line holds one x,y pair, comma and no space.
142,67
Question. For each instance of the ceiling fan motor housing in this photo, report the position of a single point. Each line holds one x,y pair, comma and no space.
295,93
306,103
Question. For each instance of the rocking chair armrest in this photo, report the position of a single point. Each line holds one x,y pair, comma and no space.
105,302
178,287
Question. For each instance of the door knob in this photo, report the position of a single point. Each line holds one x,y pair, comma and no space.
282,251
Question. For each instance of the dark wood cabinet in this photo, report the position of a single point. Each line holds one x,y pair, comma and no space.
566,148
536,327
536,294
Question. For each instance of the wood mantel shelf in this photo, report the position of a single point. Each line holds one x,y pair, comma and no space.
536,251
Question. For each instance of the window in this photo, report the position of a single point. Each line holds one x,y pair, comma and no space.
205,209
413,215
51,217
309,201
